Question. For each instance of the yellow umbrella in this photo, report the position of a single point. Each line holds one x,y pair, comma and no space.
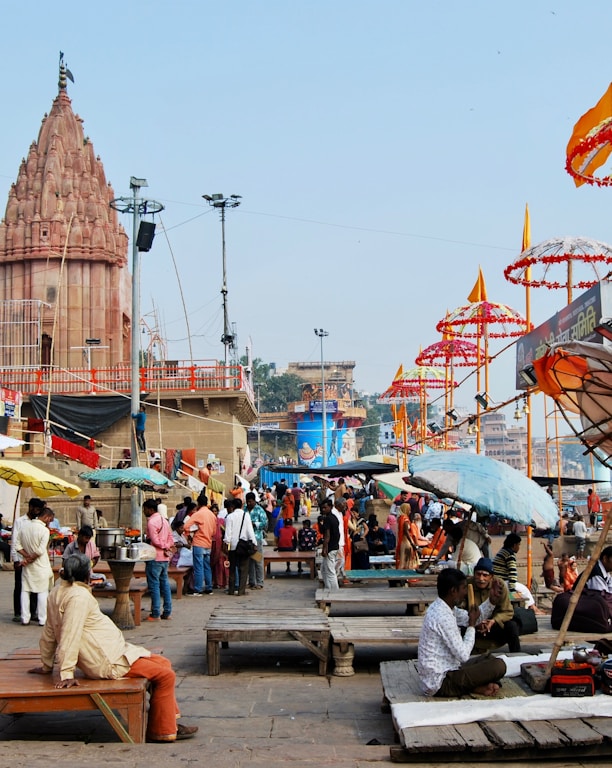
25,475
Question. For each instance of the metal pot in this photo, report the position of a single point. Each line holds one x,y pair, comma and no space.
122,553
133,552
109,537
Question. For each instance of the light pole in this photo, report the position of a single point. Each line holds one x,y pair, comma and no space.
322,334
258,388
221,203
137,207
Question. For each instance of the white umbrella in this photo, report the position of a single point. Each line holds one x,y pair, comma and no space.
9,442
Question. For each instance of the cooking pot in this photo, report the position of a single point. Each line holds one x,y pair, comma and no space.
109,537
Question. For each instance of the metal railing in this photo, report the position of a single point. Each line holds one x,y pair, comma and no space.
206,376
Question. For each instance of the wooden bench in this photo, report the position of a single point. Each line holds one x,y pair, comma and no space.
415,600
137,589
22,693
308,626
394,576
348,631
273,556
176,573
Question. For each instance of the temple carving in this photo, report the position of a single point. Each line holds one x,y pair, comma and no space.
63,254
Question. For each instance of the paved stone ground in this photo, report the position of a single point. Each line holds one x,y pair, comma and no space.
268,706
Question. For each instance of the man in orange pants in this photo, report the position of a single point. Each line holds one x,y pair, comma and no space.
82,636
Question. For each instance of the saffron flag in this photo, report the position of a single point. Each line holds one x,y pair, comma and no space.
526,230
587,125
400,374
479,291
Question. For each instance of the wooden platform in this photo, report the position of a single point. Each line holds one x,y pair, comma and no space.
22,693
308,626
350,631
489,741
272,556
414,600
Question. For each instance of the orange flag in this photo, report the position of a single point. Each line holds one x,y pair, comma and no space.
526,230
400,374
479,291
595,118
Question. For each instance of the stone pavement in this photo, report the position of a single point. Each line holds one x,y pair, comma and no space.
268,705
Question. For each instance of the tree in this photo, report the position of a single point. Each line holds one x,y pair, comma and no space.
376,414
275,392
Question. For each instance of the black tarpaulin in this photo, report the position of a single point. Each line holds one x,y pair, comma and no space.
88,414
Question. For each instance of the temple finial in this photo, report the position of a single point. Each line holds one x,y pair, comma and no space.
64,73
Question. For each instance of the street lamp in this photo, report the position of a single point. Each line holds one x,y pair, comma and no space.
221,203
137,207
322,334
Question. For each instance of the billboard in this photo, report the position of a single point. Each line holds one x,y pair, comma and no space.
575,322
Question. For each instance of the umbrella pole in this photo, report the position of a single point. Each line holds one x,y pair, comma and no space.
16,501
119,511
576,596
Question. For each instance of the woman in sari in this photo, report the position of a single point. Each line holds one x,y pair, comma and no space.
406,554
217,556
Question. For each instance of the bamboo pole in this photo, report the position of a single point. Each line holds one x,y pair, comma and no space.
576,595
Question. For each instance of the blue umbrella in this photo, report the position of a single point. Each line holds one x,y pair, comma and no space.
143,477
490,486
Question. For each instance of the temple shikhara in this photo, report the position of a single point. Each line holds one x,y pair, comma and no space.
63,253
66,317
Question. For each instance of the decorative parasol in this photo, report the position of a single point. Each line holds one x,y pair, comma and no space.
482,320
451,353
562,262
473,321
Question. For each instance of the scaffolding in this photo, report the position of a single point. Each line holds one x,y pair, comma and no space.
21,335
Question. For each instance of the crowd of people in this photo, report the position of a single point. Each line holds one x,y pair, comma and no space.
223,547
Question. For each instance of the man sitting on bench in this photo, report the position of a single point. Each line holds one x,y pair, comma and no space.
82,636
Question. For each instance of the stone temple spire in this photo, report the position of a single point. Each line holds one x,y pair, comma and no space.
61,200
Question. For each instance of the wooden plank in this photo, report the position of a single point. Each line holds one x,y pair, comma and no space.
112,718
507,734
544,733
475,738
500,755
400,682
578,732
433,739
603,725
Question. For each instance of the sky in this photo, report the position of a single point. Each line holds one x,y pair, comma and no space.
384,151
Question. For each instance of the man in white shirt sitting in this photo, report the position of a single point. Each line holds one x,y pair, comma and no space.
445,666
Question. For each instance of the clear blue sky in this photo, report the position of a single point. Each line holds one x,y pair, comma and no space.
383,151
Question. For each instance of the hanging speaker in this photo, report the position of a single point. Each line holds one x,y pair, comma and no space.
146,233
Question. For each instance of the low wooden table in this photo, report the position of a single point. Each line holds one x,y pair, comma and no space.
136,590
174,572
394,576
273,556
308,626
415,600
22,693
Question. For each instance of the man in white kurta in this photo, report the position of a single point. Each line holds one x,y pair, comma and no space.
33,546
